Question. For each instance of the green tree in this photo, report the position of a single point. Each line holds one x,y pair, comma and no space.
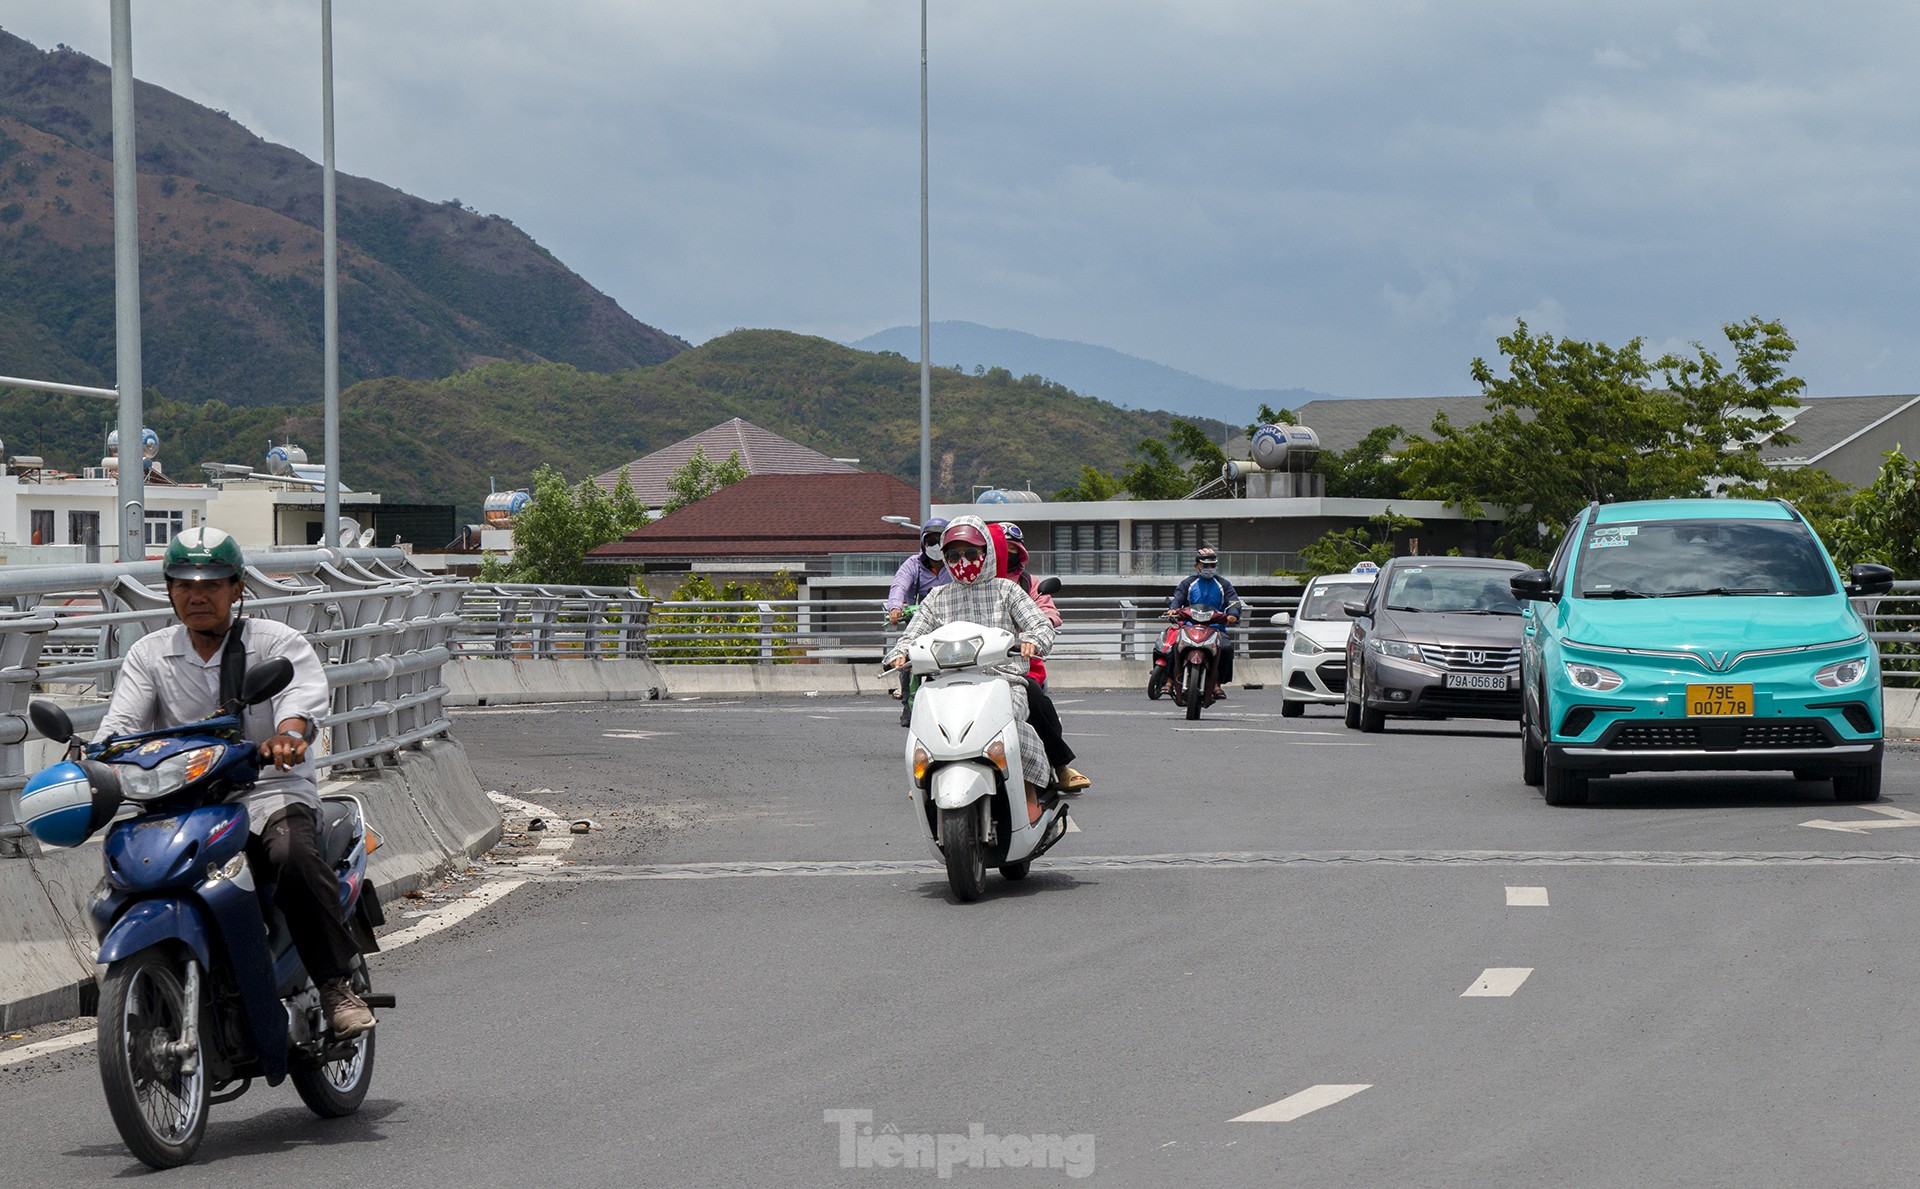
1158,473
1340,551
551,538
1269,415
1574,422
699,478
1882,524
1094,484
1369,471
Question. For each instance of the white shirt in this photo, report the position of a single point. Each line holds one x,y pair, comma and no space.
165,683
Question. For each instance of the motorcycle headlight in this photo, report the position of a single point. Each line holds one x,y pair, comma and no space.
1841,674
1593,677
169,775
1304,645
958,654
1398,649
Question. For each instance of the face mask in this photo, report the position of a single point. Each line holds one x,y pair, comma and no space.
932,552
1209,571
968,569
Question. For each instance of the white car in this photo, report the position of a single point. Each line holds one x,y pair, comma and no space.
1314,666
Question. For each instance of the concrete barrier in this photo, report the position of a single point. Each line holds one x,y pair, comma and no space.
513,682
428,809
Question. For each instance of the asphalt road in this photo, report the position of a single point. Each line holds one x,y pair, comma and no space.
1385,948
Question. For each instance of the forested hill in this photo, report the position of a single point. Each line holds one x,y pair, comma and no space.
445,440
231,265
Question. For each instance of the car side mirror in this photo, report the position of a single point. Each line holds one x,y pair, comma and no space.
263,681
1048,586
1868,579
1532,586
51,720
1280,619
1355,610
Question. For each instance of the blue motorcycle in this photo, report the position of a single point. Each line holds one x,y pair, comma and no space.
200,988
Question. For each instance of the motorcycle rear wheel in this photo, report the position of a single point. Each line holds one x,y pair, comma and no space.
159,1109
964,851
1196,683
335,1089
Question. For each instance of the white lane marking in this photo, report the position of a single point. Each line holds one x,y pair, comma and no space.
1497,982
1526,897
1073,827
1306,1102
41,1048
636,734
1898,818
546,856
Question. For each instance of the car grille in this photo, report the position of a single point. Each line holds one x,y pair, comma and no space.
1756,736
1469,702
1333,675
1461,659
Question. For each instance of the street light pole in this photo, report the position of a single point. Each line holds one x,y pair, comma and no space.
926,369
330,288
126,293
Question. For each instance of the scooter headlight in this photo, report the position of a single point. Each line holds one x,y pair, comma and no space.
921,762
169,775
958,654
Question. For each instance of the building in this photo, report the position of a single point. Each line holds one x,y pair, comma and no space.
50,517
761,451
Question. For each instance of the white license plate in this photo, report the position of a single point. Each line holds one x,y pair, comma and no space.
1493,681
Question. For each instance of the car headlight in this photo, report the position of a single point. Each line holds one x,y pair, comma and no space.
1593,677
1841,674
168,776
1399,649
958,654
1304,645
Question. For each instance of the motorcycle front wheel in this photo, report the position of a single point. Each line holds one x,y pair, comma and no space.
965,853
334,1089
156,1090
1196,682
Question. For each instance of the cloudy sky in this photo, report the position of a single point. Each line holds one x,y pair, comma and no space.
1351,196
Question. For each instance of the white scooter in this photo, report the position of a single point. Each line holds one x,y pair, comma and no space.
963,758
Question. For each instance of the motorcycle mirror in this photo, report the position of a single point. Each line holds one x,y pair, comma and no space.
51,721
266,680
1048,586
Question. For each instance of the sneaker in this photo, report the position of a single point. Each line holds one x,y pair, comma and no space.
347,1014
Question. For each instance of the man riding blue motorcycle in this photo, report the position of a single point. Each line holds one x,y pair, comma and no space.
183,674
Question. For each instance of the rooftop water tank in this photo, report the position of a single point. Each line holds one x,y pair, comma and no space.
502,508
282,459
149,443
1001,495
1285,447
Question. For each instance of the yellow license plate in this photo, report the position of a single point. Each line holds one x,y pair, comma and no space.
1719,701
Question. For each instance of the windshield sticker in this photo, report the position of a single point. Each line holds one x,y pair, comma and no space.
1616,530
1608,543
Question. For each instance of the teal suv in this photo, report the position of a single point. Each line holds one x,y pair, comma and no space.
1684,635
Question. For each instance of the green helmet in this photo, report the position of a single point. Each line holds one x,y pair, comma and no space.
201,553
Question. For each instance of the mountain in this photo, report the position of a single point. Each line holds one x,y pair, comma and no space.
231,265
1126,380
498,423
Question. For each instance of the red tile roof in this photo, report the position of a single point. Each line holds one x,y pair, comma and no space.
780,516
761,451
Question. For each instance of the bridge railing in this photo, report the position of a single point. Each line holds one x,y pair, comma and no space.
381,628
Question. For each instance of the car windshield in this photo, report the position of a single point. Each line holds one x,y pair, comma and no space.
1452,588
1678,558
1325,599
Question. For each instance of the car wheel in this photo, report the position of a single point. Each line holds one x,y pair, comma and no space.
1532,756
1292,709
1372,721
1353,707
1561,785
1857,784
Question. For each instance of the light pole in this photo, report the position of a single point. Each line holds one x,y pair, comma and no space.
926,368
330,294
126,293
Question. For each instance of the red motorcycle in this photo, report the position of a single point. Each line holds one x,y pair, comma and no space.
1187,664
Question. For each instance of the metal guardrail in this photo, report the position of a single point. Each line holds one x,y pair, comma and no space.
1166,563
381,628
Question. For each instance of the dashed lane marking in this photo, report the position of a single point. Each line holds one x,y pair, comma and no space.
1241,861
1497,982
1293,1106
1526,897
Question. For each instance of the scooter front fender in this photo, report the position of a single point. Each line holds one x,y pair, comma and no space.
153,922
956,786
